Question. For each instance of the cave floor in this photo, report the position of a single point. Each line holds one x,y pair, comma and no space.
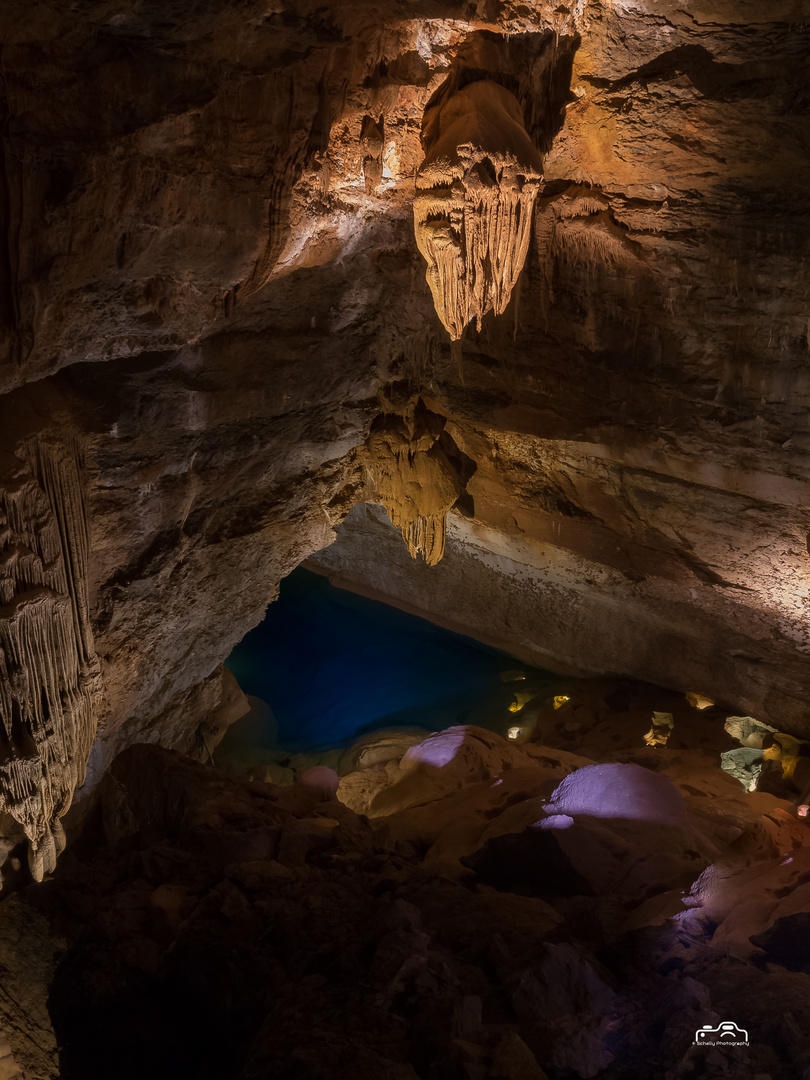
563,905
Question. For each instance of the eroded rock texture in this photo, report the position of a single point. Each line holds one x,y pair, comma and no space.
50,682
473,208
209,273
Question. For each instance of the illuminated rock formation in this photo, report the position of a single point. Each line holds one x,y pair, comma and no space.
411,474
473,207
50,684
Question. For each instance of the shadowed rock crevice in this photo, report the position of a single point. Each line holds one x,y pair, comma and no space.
713,79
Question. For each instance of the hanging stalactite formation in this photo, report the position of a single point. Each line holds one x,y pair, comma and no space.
473,207
50,681
412,472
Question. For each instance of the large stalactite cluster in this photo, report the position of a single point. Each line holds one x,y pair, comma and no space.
411,474
475,192
50,682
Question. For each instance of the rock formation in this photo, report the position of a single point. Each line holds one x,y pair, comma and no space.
473,208
216,343
50,681
208,255
230,297
476,908
411,473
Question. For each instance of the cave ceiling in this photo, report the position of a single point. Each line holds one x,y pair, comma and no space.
217,338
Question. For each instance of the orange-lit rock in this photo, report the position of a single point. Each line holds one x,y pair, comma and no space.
473,207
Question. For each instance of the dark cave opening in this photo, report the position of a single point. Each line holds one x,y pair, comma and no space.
339,680
333,666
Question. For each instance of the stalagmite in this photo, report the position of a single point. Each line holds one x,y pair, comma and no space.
473,206
50,681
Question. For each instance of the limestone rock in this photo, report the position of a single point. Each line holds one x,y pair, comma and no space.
256,903
224,343
617,791
50,678
29,953
473,207
379,748
747,730
214,336
744,765
411,472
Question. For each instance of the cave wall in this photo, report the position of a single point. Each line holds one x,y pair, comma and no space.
209,282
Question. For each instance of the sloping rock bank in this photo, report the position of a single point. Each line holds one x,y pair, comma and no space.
225,929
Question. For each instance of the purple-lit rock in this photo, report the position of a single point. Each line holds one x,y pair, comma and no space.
619,791
322,779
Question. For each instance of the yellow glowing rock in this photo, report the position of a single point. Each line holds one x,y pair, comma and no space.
513,733
475,192
520,701
662,724
785,749
560,700
698,701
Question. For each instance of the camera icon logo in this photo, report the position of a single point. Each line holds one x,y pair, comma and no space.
725,1034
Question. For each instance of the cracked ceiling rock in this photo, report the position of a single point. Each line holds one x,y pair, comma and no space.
410,473
473,204
50,681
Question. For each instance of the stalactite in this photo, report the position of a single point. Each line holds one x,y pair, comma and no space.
410,473
473,208
50,681
371,147
425,536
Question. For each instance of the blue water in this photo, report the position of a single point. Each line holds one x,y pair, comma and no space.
332,666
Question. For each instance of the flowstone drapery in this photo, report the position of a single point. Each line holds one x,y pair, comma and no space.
50,681
474,196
